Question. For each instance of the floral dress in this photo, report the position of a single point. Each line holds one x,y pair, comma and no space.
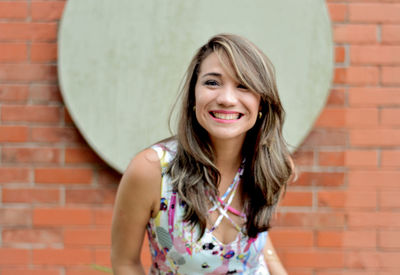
174,244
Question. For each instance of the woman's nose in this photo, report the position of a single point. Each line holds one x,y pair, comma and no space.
227,96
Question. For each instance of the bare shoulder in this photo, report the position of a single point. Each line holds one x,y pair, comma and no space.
144,166
141,181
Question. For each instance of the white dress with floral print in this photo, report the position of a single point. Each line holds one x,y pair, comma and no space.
174,246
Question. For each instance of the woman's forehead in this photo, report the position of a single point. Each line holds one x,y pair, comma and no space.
218,62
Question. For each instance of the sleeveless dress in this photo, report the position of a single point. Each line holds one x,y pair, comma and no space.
174,244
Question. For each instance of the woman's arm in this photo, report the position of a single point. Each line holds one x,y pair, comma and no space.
272,259
137,199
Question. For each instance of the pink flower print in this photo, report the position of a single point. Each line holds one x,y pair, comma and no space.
179,245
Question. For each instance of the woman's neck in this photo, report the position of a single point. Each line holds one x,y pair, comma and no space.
228,155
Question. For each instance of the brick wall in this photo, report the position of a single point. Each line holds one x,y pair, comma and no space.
341,216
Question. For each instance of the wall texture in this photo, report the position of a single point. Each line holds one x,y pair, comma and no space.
342,215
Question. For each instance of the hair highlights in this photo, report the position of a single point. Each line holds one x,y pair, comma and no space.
267,166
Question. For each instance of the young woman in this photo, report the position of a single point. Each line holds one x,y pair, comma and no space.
206,196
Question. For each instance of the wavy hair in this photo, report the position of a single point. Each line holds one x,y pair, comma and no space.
267,166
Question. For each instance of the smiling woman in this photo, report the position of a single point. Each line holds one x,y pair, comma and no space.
206,196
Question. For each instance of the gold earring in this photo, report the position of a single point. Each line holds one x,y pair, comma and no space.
194,108
259,115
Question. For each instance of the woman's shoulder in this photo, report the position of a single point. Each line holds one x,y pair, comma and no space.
143,174
145,168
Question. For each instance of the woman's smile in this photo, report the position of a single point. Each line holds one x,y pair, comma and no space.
225,116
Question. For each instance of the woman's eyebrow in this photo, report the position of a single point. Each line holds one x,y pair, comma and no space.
211,74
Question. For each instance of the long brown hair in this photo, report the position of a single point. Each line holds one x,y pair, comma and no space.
267,166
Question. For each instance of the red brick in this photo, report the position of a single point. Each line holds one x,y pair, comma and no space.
44,236
337,97
339,76
102,257
26,31
362,76
11,256
292,238
292,198
145,257
375,55
30,195
303,158
375,137
341,117
374,219
341,199
389,199
103,216
80,155
45,93
313,259
63,175
28,72
374,13
374,96
55,134
30,155
14,93
86,237
390,158
311,219
13,10
320,179
331,158
15,217
362,117
390,34
12,52
44,52
61,216
338,12
389,239
299,271
347,239
14,174
361,158
92,270
13,133
331,118
390,117
355,33
323,137
26,271
340,54
32,113
390,75
372,180
47,10
346,272
372,259
90,196
63,257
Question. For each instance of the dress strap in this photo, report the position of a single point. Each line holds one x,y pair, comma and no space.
223,207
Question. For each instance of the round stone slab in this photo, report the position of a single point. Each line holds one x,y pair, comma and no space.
121,63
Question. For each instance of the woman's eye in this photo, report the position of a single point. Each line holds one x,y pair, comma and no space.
211,83
241,86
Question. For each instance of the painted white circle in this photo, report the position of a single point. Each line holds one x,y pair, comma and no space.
121,63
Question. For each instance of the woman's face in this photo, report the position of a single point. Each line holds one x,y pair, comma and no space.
224,108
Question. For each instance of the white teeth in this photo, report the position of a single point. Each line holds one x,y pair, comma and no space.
226,116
